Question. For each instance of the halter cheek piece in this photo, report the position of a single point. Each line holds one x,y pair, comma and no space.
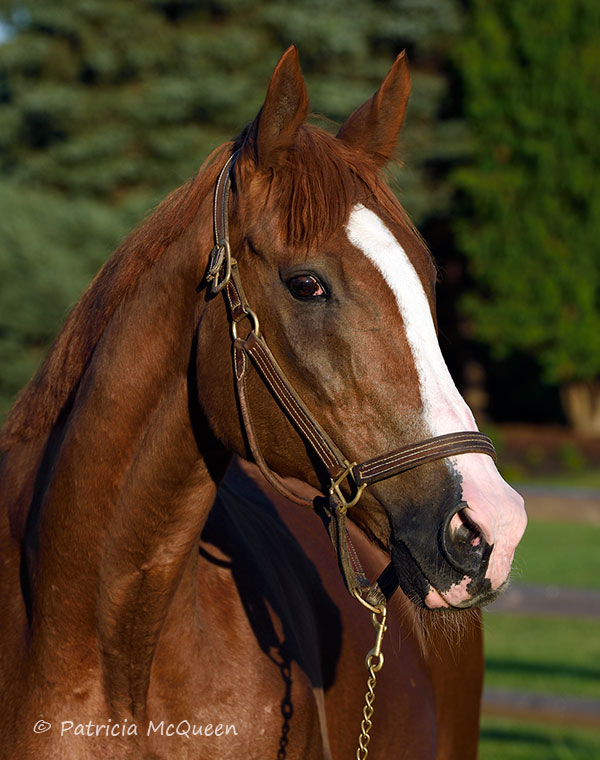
345,476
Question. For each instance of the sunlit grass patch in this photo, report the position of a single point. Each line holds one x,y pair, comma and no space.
560,553
512,740
553,655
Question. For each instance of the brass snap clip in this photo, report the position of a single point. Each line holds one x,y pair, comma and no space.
374,660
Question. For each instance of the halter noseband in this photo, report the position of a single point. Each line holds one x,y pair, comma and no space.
223,274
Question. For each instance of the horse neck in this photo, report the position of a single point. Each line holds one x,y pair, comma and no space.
113,528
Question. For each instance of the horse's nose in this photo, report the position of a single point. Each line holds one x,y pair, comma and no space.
463,543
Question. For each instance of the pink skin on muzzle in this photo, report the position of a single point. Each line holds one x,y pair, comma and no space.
498,513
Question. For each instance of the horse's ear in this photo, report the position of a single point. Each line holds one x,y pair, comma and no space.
375,126
285,109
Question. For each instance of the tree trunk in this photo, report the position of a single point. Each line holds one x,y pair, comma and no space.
581,402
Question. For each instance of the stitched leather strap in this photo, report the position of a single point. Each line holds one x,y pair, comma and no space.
414,455
241,365
219,263
295,409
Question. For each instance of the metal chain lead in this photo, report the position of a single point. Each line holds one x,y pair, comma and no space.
374,663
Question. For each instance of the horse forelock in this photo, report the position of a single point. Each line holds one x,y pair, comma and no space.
315,183
40,403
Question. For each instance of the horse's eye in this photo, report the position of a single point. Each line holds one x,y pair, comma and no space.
305,286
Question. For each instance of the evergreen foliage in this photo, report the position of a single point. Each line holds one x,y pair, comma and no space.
531,78
49,251
106,105
110,99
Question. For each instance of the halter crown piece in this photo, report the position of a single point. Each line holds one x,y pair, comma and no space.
348,480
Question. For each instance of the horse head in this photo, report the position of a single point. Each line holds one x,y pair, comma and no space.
344,289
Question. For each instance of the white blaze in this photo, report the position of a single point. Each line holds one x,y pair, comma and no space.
493,505
444,410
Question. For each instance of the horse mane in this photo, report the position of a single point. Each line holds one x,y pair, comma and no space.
316,183
39,404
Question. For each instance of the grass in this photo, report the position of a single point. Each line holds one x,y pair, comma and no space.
550,655
562,554
511,740
546,655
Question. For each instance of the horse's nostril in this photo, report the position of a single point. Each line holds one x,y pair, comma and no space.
463,542
463,530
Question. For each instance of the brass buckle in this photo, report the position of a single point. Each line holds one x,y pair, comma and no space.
219,256
335,488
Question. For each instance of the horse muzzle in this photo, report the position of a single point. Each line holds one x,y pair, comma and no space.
463,563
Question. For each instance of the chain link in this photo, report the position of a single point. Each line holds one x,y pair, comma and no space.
374,663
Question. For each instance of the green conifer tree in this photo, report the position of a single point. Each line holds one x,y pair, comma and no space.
531,77
115,103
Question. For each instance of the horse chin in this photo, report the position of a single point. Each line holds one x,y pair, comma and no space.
435,601
423,593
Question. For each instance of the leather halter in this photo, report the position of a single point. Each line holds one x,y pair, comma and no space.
348,479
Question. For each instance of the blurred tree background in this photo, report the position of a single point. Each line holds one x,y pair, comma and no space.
106,105
529,219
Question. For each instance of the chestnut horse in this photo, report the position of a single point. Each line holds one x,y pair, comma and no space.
145,615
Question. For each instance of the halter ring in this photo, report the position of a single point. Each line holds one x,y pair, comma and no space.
334,488
251,317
